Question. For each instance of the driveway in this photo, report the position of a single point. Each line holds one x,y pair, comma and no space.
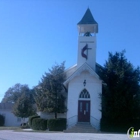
11,135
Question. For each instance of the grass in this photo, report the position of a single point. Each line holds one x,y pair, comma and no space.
9,128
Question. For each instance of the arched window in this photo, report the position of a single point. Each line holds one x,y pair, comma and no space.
84,94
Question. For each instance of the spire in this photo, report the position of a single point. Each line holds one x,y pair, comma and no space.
87,24
87,18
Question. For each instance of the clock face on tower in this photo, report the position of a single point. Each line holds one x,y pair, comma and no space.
84,51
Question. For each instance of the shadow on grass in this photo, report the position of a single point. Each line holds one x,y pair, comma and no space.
119,127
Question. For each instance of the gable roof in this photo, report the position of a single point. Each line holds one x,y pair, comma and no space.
84,67
70,70
87,18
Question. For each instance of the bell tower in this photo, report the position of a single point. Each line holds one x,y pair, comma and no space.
87,28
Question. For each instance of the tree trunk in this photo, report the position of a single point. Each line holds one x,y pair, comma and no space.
22,121
55,115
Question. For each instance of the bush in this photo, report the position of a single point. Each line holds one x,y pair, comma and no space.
2,120
57,124
39,124
31,119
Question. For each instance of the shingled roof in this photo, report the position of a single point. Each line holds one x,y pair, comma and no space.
87,18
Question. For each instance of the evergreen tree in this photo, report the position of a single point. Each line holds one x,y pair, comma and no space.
49,93
23,107
121,94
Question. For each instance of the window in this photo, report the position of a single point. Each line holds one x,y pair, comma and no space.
86,107
84,94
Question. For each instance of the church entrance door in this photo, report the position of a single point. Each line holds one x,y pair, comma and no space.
83,111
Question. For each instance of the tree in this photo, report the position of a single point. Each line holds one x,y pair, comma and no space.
13,93
49,93
121,94
23,107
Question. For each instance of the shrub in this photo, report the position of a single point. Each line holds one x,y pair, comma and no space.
2,120
39,124
57,124
31,119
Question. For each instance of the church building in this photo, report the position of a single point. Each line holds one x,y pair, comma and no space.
83,83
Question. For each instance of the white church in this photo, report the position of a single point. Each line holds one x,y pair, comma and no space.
83,83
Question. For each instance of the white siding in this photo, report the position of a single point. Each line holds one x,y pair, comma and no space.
10,118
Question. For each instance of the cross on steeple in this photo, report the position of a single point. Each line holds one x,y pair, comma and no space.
85,48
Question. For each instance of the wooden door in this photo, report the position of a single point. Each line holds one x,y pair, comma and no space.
83,111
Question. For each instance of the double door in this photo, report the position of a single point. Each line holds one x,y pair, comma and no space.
83,111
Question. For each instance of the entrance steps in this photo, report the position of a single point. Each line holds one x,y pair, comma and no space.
82,127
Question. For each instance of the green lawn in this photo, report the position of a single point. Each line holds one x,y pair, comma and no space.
9,128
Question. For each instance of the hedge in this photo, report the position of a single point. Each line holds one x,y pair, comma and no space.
57,124
31,119
2,120
39,124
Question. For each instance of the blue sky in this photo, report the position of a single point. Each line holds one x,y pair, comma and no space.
34,34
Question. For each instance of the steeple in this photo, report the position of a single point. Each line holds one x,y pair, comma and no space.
87,28
87,23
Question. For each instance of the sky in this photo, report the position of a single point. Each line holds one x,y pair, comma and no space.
36,34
